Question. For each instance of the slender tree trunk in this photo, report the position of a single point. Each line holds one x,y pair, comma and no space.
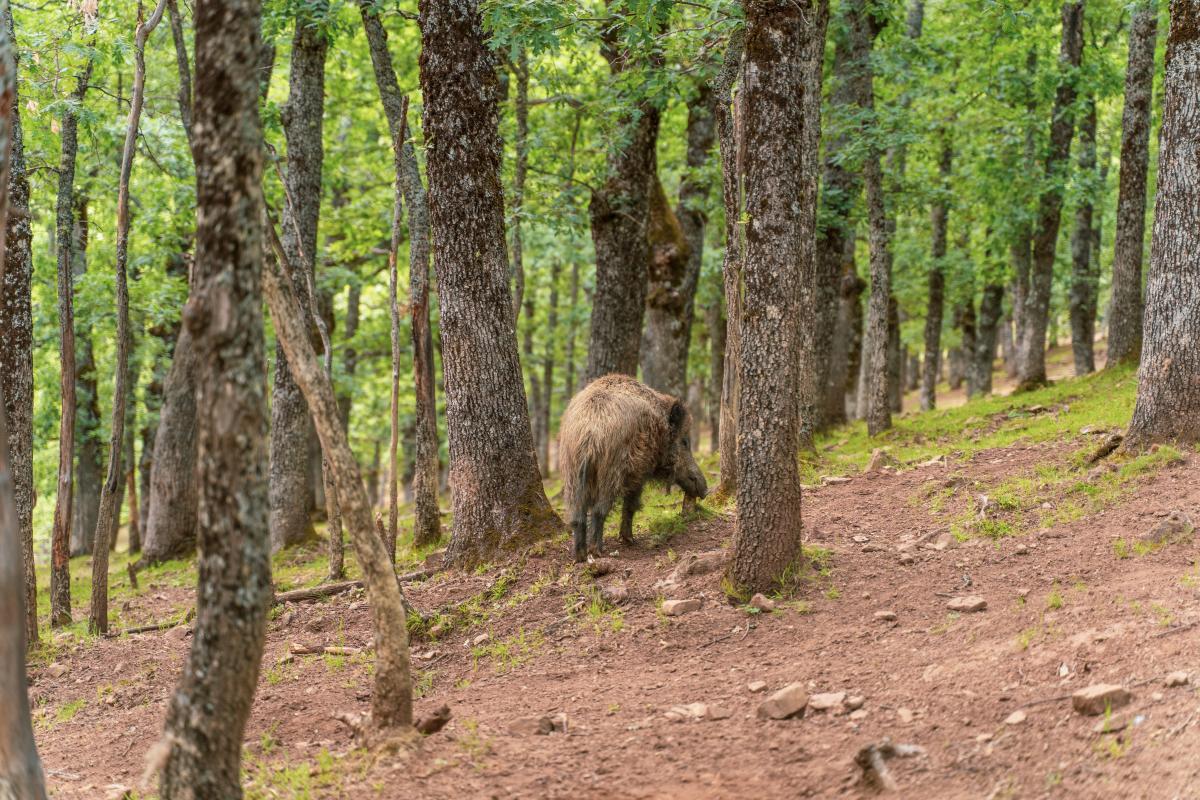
1168,396
393,522
895,358
499,502
207,715
427,519
1084,283
520,167
767,539
292,498
990,309
337,555
16,346
1021,250
184,95
110,509
729,135
676,253
847,338
715,322
934,307
391,701
60,563
89,449
1125,314
535,380
1032,371
1008,347
543,422
572,333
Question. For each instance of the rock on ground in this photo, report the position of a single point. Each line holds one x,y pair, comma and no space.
790,701
1100,698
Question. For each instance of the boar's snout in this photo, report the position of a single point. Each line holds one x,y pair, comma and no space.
691,481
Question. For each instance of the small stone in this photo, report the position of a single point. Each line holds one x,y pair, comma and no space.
614,594
1157,697
439,630
789,701
967,604
907,559
886,615
1110,724
1015,718
531,726
56,670
1179,678
1175,527
1100,698
179,633
601,566
676,608
826,701
699,564
936,461
762,603
861,539
1021,549
880,458
855,701
945,541
906,715
834,480
686,712
756,686
858,713
480,639
559,721
872,548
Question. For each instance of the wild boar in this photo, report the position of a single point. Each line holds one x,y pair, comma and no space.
615,436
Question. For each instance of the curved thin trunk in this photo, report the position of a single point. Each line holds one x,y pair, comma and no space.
935,306
1084,283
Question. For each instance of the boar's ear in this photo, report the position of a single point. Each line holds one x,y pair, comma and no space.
676,415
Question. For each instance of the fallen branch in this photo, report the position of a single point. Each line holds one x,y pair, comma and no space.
322,650
1106,448
1177,629
158,626
332,589
872,759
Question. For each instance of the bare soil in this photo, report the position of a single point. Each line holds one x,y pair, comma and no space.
1063,612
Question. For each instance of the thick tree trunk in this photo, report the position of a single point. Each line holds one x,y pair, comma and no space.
620,216
16,347
60,563
1168,397
292,498
89,449
729,136
990,309
964,320
847,338
499,502
768,526
1085,284
821,335
1125,314
171,524
676,253
427,520
391,701
1032,371
110,495
935,305
207,715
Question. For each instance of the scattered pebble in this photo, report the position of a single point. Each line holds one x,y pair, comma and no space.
1100,698
855,701
967,604
1015,718
614,594
826,701
480,639
1178,678
762,602
906,715
885,616
858,713
1021,549
907,559
789,701
834,480
1110,724
675,608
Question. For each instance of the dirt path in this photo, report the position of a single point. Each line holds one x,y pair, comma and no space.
1063,611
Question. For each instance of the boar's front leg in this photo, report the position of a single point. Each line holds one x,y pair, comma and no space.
631,505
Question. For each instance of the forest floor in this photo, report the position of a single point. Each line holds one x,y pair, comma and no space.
994,499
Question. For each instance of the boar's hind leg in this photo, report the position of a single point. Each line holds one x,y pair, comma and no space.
599,514
579,534
630,506
583,499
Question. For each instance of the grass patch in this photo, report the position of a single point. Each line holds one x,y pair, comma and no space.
507,654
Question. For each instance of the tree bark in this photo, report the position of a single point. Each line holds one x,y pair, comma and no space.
935,305
768,526
1168,396
1084,283
89,449
715,322
520,167
1125,314
16,342
60,563
543,421
499,502
572,334
391,701
895,358
729,136
110,508
1032,370
207,715
620,214
535,380
990,309
846,356
676,254
1021,248
292,498
427,519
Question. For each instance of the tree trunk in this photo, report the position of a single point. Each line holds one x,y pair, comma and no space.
1036,311
337,554
572,332
729,133
89,449
60,562
16,348
1008,347
292,497
171,524
768,526
934,308
499,502
391,701
676,253
520,167
1125,314
1084,283
184,95
543,422
110,500
620,214
1168,396
990,309
715,322
427,520
895,358
847,339
535,381
841,183
207,716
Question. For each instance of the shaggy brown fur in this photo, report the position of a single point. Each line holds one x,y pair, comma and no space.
616,435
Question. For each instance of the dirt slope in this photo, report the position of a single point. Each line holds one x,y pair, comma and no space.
1063,611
